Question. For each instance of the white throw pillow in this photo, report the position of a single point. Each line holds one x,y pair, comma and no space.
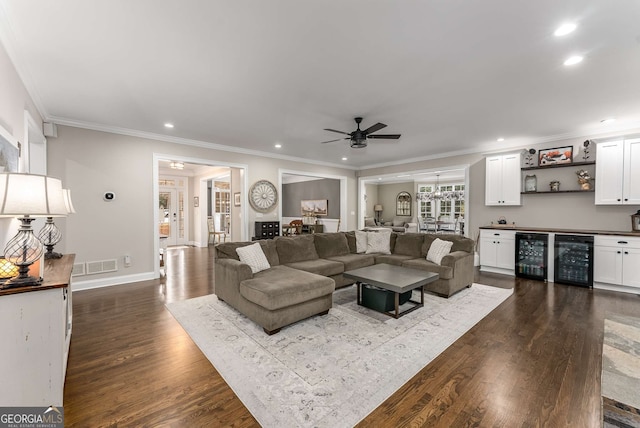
379,242
254,257
361,241
438,250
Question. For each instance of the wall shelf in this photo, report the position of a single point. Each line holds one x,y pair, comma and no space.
558,191
564,165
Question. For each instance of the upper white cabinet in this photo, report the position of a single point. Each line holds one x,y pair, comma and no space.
502,180
618,172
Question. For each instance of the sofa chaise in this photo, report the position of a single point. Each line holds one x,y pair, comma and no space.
305,270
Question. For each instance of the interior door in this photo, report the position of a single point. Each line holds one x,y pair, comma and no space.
171,215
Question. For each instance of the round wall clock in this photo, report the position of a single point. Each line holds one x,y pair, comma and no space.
263,196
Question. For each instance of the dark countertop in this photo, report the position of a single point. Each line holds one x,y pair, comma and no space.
552,230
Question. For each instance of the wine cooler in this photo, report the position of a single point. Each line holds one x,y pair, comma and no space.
573,260
531,255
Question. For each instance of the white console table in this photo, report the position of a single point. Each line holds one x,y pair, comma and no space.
35,336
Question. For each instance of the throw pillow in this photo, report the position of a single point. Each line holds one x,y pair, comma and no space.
254,257
379,242
438,250
361,241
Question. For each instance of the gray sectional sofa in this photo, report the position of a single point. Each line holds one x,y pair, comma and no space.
306,269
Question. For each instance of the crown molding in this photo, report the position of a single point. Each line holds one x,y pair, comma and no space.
185,141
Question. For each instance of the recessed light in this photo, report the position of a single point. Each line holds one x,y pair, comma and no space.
168,125
379,178
573,60
500,139
344,158
608,121
564,29
278,146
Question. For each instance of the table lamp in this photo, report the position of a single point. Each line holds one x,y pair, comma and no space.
50,235
27,196
378,209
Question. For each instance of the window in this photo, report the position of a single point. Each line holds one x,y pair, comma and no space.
441,207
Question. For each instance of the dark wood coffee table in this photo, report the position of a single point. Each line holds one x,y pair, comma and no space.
396,279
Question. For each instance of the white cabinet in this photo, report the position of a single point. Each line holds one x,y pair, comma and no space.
617,260
502,180
35,337
497,251
618,172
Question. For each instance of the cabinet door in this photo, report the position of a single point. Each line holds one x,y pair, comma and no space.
505,253
511,179
607,264
631,267
631,187
609,167
488,252
493,181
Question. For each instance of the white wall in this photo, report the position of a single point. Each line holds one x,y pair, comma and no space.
14,100
92,162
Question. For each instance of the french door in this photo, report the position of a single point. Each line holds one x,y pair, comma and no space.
171,215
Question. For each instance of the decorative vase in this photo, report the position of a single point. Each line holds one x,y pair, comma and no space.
554,186
530,183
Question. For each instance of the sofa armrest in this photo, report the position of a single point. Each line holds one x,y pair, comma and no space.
457,258
229,274
411,227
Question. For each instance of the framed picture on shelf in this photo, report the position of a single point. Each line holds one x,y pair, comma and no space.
556,156
236,199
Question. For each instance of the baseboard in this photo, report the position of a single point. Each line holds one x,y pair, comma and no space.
502,271
108,282
619,288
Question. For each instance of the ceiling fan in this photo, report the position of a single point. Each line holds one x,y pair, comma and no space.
359,137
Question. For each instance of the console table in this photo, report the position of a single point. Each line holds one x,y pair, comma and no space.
36,333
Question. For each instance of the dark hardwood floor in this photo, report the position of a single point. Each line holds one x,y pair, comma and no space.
534,361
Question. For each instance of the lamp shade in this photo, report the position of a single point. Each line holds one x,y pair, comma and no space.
377,207
32,195
67,201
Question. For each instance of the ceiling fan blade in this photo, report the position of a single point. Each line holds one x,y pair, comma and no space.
373,128
387,136
339,132
332,141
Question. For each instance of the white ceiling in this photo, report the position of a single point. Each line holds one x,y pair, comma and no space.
450,76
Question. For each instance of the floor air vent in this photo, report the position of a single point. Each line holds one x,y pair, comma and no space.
78,269
102,266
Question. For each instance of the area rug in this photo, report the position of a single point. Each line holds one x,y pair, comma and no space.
331,370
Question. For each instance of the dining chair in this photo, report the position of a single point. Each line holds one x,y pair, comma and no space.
213,234
298,226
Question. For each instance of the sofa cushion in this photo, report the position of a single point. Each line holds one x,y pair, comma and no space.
460,243
331,244
351,240
392,259
445,272
254,257
439,248
227,250
319,266
379,242
296,248
355,261
281,286
409,244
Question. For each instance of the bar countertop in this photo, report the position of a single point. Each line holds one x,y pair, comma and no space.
558,230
